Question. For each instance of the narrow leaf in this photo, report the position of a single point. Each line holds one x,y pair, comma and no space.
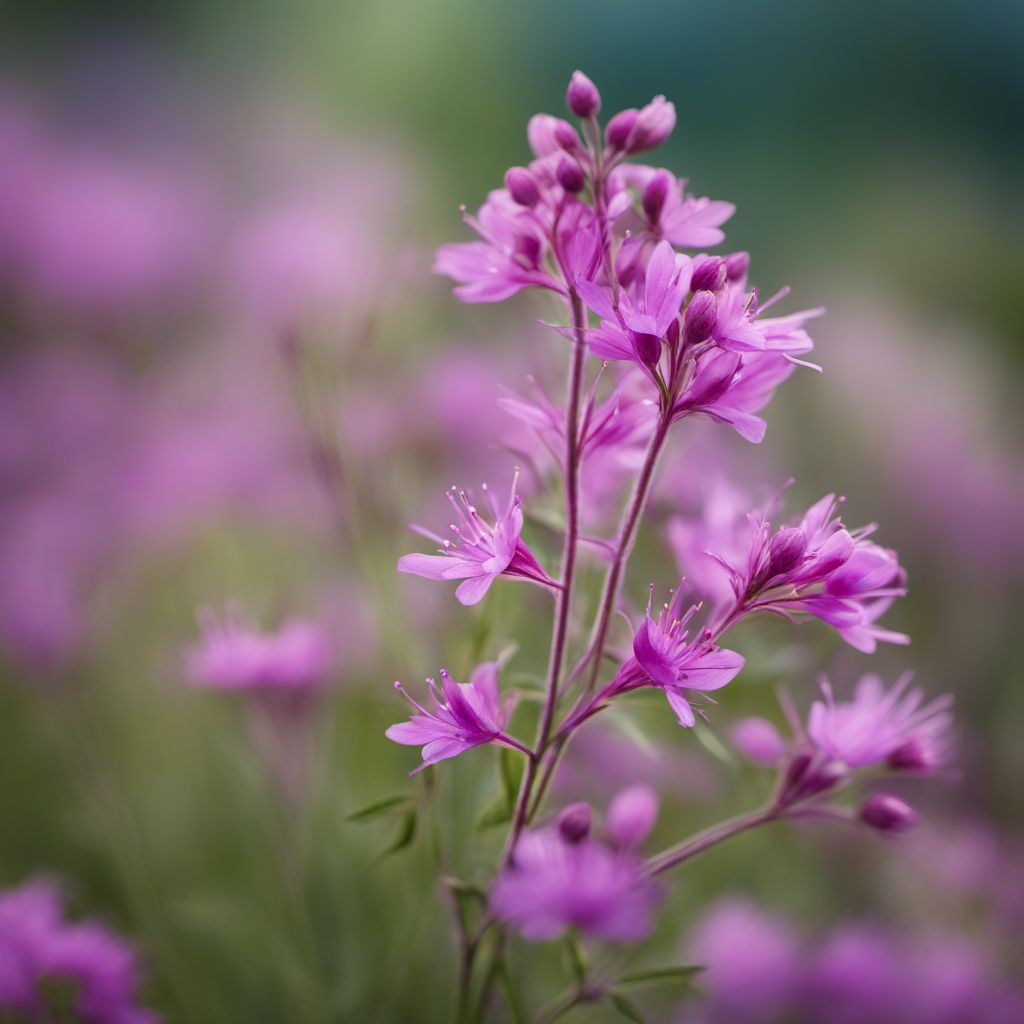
386,805
511,774
661,976
625,1007
403,837
497,812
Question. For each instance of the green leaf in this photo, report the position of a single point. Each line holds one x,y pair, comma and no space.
497,812
403,837
386,805
512,765
625,1007
668,976
515,1002
714,746
576,959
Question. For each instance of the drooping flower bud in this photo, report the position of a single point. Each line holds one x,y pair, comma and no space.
655,194
912,756
709,275
631,816
521,186
620,127
700,318
582,97
654,124
527,250
785,551
759,740
574,822
888,813
570,175
648,348
736,265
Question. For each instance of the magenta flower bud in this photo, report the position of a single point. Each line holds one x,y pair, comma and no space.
648,348
700,318
709,275
521,186
655,195
759,740
574,822
620,127
570,175
888,813
654,124
785,551
631,816
822,777
527,250
566,137
736,265
582,97
912,756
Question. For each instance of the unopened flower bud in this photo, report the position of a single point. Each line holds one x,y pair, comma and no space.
822,777
709,275
654,124
648,348
547,135
582,97
912,756
631,816
527,250
566,137
700,318
759,740
620,127
736,265
785,551
574,822
888,813
521,186
655,194
570,175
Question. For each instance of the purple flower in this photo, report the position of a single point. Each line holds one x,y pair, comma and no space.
510,257
562,878
893,728
669,213
665,657
634,330
480,553
465,715
819,568
731,388
37,948
232,656
738,326
631,816
619,425
759,740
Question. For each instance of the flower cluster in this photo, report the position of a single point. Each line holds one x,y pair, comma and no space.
563,876
233,656
895,731
817,567
465,715
40,953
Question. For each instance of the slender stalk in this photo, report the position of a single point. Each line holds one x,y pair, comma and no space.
624,546
563,596
702,841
